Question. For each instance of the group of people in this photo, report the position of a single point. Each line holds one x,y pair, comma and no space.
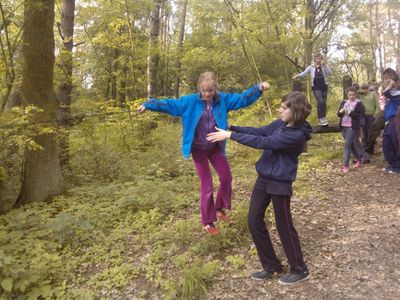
368,112
205,131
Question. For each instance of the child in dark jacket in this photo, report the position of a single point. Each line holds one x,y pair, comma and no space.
283,141
391,133
350,111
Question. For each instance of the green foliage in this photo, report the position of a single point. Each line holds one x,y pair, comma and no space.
194,278
237,261
71,230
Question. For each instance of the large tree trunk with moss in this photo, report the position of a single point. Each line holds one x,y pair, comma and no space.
42,177
65,87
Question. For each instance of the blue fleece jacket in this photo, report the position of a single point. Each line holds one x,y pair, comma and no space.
282,146
392,103
191,107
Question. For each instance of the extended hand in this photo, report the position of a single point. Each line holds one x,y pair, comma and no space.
219,135
141,108
294,77
264,86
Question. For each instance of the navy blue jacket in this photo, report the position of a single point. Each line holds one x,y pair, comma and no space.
282,146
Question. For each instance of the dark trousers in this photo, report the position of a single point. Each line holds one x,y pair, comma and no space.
390,145
321,97
369,119
376,127
259,202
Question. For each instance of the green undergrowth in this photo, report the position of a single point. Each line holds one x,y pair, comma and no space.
138,235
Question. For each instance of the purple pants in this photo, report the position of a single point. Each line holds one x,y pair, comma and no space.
208,208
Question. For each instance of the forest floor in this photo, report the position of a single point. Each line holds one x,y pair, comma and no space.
350,240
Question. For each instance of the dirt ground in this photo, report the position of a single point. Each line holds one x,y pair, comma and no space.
351,241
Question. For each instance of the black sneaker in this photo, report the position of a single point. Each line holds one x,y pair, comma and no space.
293,278
263,275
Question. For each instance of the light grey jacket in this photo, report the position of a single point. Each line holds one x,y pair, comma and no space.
326,71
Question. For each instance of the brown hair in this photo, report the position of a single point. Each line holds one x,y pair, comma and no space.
391,73
318,55
298,103
209,78
352,89
364,86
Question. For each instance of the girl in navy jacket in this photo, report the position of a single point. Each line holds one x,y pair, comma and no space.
283,141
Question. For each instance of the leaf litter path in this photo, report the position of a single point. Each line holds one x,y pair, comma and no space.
351,241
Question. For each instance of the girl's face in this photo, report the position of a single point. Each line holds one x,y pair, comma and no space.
318,60
352,96
286,113
207,91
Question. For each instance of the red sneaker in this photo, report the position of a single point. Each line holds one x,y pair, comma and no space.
222,216
211,229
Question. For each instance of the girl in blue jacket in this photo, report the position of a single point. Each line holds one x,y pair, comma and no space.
283,141
201,113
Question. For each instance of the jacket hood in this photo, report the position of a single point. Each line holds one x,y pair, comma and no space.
306,128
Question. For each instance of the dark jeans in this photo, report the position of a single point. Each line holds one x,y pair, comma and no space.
390,145
321,97
376,127
369,119
259,202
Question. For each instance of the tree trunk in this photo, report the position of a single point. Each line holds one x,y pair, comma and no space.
180,47
65,87
42,177
153,56
373,44
379,36
309,28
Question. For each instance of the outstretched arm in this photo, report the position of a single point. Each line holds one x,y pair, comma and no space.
302,74
248,97
174,107
275,142
264,130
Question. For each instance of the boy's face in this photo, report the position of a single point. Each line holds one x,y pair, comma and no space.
286,113
389,75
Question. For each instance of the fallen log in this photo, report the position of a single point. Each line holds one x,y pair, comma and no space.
325,129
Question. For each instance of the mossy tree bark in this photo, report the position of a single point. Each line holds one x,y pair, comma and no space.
42,176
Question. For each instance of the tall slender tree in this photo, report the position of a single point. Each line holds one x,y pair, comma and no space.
41,178
64,91
153,55
180,48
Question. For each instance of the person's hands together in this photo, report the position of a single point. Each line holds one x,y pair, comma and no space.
294,77
219,135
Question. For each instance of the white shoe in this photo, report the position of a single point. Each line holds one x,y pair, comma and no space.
323,122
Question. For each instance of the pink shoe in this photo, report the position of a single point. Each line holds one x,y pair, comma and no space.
357,164
345,169
211,229
222,216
